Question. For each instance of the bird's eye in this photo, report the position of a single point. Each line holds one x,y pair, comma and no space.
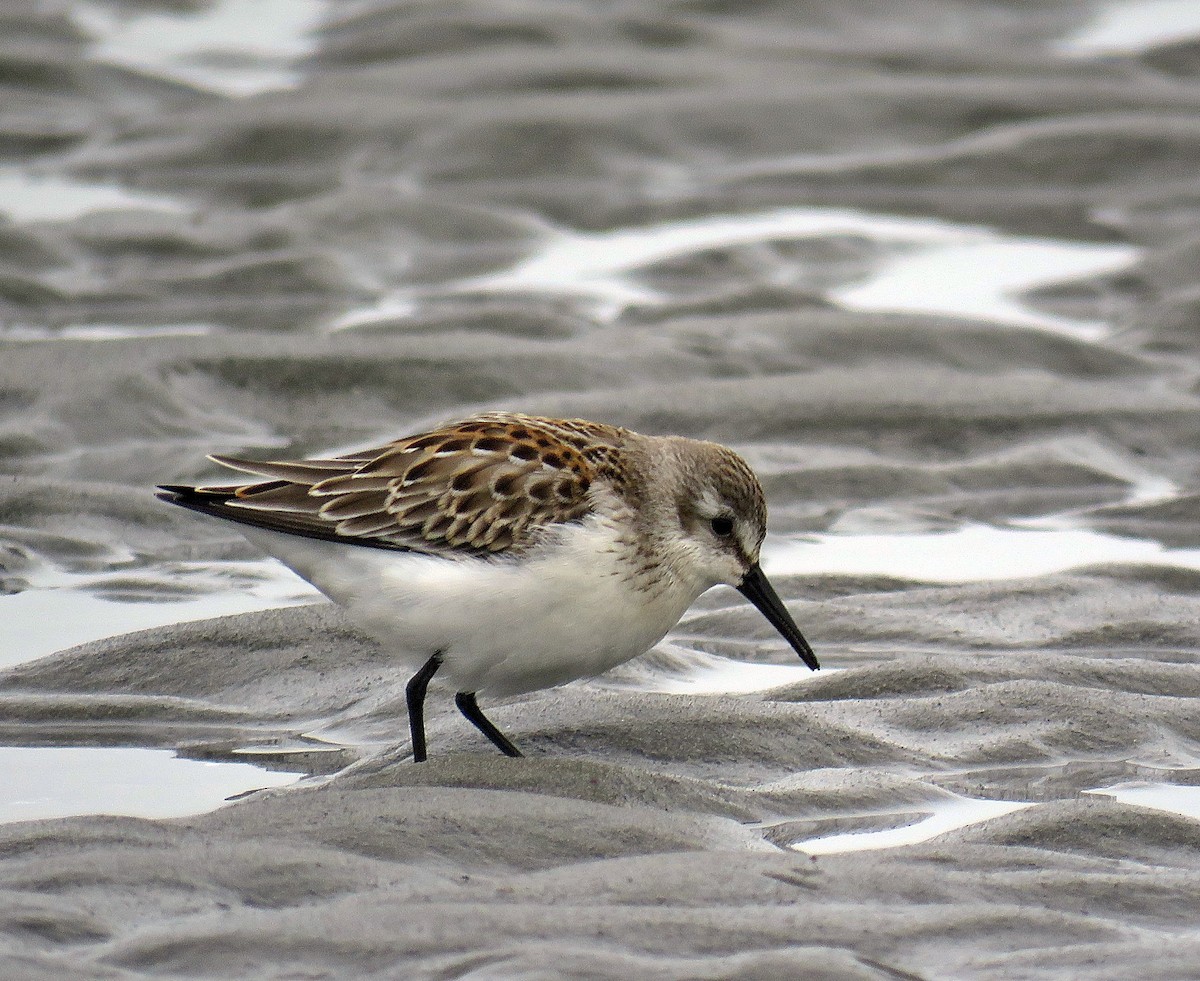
722,527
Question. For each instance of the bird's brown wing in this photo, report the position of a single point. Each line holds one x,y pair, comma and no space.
486,485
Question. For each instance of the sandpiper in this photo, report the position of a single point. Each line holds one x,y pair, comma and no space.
508,552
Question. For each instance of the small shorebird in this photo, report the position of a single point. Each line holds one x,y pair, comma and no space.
510,552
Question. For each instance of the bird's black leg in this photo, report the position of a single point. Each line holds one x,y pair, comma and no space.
415,693
465,700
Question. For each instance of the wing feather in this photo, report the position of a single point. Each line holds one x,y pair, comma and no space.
301,471
487,485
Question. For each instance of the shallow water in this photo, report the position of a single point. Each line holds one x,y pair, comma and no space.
973,553
26,196
1129,26
930,267
948,815
933,267
61,610
1159,796
235,47
55,782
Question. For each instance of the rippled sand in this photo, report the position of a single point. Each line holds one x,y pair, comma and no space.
931,267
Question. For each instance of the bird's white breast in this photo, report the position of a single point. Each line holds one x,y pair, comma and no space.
570,610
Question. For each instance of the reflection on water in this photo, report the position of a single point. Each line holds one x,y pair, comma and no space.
1130,26
600,264
234,47
1159,796
62,611
726,676
105,332
687,671
52,782
939,267
973,553
955,812
26,196
959,812
985,279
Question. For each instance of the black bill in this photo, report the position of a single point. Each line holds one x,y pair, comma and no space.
758,591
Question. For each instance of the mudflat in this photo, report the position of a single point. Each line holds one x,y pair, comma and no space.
931,268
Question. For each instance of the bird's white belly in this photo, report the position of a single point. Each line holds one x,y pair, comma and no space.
503,626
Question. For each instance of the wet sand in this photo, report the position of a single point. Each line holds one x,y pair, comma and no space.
931,268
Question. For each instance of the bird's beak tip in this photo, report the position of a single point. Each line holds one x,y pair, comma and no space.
758,590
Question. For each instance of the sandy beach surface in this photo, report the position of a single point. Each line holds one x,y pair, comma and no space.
933,267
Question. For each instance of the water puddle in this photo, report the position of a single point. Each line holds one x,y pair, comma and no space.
937,267
1158,796
26,196
44,782
956,812
232,47
985,279
1132,26
676,669
973,553
599,265
63,611
104,332
725,676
